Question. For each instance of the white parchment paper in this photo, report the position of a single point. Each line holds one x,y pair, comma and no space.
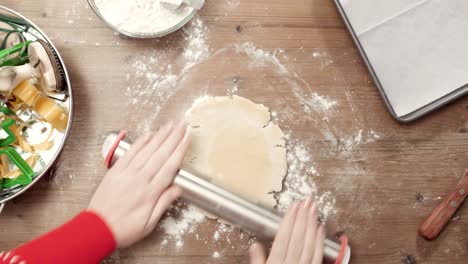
418,49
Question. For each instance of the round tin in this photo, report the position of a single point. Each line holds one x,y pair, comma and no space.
33,33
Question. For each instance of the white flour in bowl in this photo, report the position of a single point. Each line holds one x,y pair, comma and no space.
142,16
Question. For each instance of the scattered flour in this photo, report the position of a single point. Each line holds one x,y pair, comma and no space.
196,47
260,57
233,3
162,74
142,16
340,143
179,243
74,13
324,58
185,222
155,76
224,232
216,236
312,101
347,143
318,102
298,183
235,87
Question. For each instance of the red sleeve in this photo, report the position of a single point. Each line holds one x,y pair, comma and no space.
85,239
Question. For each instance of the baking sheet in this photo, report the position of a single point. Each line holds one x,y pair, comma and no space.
418,49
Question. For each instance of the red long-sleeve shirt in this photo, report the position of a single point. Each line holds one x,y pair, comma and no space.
84,239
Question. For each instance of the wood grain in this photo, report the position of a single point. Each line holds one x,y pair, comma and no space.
384,189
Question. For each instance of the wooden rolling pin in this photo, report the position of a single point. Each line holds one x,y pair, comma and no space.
439,218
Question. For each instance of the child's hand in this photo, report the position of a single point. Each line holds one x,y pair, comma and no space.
137,190
299,240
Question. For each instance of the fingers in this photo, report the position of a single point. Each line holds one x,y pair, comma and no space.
280,245
310,238
319,245
146,153
125,161
299,239
296,243
157,158
257,254
5,256
162,204
14,260
166,174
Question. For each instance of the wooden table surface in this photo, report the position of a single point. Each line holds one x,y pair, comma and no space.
384,185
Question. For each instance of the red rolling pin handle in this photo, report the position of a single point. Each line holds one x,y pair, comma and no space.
434,224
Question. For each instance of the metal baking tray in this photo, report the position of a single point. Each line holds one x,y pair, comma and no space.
34,32
417,112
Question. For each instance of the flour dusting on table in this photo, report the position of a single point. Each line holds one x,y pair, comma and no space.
298,184
155,76
316,101
164,72
233,3
184,223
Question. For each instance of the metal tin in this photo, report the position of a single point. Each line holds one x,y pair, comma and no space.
141,35
415,114
7,195
217,201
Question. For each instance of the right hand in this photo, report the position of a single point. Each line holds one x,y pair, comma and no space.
299,240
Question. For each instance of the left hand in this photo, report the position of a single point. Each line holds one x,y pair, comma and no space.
138,189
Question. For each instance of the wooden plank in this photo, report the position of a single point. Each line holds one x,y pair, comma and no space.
383,189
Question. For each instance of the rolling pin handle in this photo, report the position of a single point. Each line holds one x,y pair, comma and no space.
1,207
110,147
442,214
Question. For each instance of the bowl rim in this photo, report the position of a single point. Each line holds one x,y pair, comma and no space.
70,109
142,35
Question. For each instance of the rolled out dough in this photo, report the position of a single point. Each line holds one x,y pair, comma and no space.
235,145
